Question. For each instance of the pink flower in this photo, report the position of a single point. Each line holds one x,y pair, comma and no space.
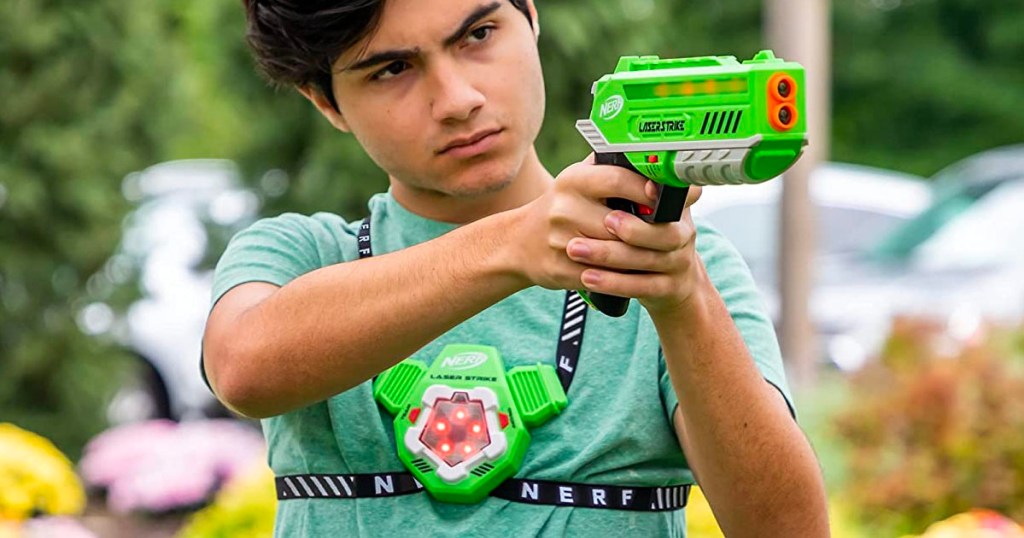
159,466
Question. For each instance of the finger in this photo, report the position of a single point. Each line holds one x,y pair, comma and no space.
587,220
600,182
637,285
692,195
620,256
667,236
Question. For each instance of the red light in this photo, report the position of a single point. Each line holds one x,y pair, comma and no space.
414,414
456,429
645,210
652,159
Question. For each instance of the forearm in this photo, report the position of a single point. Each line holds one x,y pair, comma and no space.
754,464
335,327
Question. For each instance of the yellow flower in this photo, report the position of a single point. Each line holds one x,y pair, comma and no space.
245,508
35,477
700,521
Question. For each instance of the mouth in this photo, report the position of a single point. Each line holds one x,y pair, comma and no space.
473,144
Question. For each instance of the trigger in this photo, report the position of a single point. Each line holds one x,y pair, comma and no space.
645,210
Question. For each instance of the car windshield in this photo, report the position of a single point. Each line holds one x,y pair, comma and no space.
981,235
972,224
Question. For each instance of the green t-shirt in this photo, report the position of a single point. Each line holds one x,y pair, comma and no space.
616,429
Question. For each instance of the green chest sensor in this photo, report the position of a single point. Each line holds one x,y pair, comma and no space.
461,424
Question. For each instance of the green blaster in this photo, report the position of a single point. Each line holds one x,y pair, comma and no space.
694,121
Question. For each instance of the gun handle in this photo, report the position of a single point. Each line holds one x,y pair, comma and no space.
668,208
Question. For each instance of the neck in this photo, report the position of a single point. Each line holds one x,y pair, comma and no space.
530,182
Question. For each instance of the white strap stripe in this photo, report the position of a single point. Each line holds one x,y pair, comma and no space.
327,478
306,487
344,484
318,486
571,322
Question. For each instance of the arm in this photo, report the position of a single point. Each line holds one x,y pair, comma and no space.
268,350
753,462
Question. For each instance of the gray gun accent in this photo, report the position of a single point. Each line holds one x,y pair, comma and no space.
712,167
596,139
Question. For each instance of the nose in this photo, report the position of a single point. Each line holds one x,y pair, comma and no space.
454,97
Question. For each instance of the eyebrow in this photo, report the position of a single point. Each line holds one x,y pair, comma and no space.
389,56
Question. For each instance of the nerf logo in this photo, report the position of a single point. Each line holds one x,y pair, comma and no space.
464,361
611,107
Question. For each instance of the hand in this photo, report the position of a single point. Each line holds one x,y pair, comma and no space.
573,208
656,263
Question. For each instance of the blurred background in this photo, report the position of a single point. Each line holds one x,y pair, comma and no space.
136,138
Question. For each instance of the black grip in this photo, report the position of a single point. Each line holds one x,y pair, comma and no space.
668,208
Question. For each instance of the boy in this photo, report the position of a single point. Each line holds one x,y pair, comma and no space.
475,242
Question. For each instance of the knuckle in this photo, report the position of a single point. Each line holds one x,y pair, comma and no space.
677,236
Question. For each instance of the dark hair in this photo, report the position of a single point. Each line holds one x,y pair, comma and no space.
295,42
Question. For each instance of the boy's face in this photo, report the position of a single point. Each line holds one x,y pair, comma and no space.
445,95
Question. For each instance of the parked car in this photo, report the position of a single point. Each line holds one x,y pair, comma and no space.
186,212
963,252
854,206
948,253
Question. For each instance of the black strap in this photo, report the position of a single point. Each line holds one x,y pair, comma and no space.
541,492
345,486
363,239
574,319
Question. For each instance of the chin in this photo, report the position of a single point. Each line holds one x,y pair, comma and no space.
488,178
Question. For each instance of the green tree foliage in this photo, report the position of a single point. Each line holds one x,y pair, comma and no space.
919,84
81,86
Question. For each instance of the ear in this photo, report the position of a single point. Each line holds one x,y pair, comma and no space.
325,107
533,16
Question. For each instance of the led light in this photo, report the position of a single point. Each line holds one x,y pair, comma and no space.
460,414
446,448
467,448
441,426
476,428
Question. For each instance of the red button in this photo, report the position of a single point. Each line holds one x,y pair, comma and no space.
503,418
652,159
645,210
414,413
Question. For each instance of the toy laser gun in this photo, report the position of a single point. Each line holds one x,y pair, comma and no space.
460,425
694,121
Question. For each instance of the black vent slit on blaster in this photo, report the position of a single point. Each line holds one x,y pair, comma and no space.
721,122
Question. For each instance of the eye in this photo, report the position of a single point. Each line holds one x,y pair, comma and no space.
480,34
393,69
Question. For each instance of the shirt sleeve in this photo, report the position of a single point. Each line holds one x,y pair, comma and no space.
278,250
731,277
